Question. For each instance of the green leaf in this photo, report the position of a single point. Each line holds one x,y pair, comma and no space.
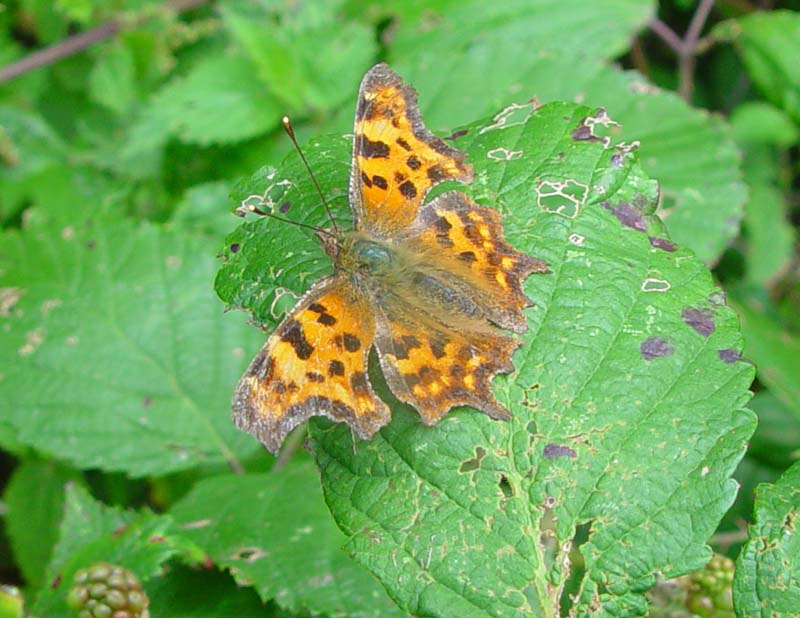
112,82
33,500
115,353
203,208
92,532
597,29
768,569
769,43
309,57
626,401
273,531
772,348
690,152
218,101
761,123
777,439
185,593
770,235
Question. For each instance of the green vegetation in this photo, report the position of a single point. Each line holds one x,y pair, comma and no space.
670,234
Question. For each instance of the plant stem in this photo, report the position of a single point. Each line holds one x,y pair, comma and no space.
74,44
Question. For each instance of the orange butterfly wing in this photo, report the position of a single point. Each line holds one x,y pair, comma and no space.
396,160
313,364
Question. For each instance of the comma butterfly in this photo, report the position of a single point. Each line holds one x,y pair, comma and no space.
430,286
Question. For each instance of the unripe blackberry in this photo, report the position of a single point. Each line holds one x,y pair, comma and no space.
105,590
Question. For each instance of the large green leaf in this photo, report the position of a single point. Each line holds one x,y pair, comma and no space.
115,354
33,500
92,532
598,29
626,400
768,569
768,344
691,153
273,532
769,43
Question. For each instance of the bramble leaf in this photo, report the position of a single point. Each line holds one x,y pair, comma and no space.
115,354
272,531
768,569
627,419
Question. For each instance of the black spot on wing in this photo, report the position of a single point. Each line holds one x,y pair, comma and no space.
313,376
436,173
359,382
293,335
372,150
403,144
413,162
351,342
365,179
335,368
380,182
408,190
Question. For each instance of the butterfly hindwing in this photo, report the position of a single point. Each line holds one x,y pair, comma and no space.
434,366
466,243
313,364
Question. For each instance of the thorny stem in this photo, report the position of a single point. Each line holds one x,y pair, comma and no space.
74,44
687,48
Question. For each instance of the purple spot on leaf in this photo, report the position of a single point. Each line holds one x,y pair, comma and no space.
729,355
234,247
617,160
553,451
661,243
654,347
147,401
628,215
701,320
285,207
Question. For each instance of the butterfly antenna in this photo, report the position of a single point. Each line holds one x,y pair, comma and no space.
287,126
244,209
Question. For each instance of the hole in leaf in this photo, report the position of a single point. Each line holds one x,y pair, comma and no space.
577,566
475,462
505,486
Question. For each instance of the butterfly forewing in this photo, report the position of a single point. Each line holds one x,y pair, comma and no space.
396,160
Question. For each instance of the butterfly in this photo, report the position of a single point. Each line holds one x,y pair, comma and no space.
429,286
